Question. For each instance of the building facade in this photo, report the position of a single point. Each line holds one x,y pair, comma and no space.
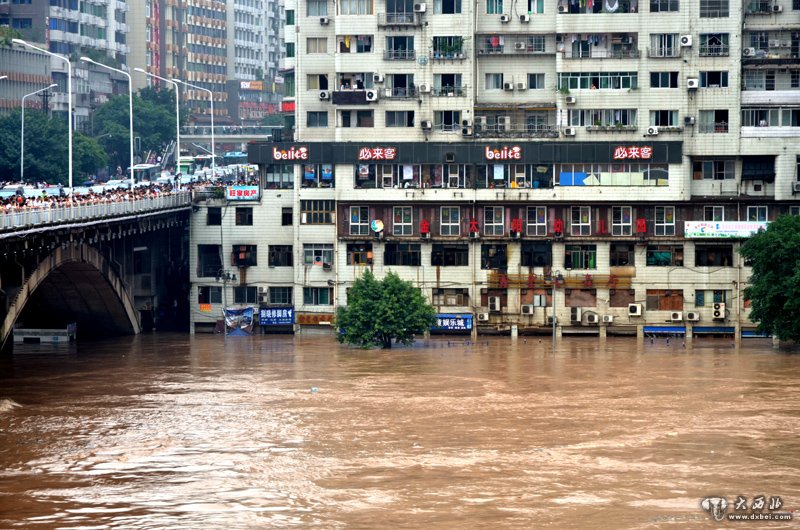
516,163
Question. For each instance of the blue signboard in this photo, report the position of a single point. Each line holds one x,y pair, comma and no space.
276,316
664,330
453,322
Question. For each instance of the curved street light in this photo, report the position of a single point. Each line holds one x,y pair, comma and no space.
177,117
69,96
211,99
130,105
22,132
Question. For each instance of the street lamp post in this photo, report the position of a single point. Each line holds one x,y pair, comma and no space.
69,96
556,277
211,99
226,277
130,105
22,132
177,117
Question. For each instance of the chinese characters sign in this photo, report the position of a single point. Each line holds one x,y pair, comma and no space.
634,152
726,229
452,322
242,193
377,153
276,316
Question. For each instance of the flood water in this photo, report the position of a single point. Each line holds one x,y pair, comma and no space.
168,431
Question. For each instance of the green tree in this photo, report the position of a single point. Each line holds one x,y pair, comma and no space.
380,311
45,147
87,155
6,34
774,290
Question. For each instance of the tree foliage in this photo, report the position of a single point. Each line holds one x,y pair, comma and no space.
380,311
774,290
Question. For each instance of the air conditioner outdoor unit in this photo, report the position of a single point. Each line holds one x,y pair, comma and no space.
424,88
483,317
474,235
508,86
519,46
324,94
505,18
786,44
571,100
562,8
591,318
676,316
426,124
688,120
420,8
425,235
652,131
372,95
719,311
575,314
480,123
748,52
494,304
692,83
774,43
377,78
608,319
324,21
569,131
635,310
520,86
693,316
524,18
686,40
503,123
262,289
388,92
551,319
327,267
796,187
527,309
466,122
466,131
777,9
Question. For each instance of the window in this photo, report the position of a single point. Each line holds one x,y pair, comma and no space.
757,213
664,118
279,176
664,300
317,82
244,216
244,256
770,117
535,43
665,221
280,256
359,253
317,8
354,43
664,6
664,45
400,48
356,118
713,255
355,7
402,219
602,117
536,254
446,7
214,216
536,82
493,82
714,121
399,118
494,220
601,80
713,169
494,7
665,256
447,120
714,8
405,254
580,256
316,212
450,224
280,295
318,295
286,217
621,220
400,86
581,221
316,45
663,79
290,17
209,262
710,297
713,213
317,119
290,49
794,210
317,176
536,223
713,79
359,220
535,7
494,256
245,295
621,254
207,294
457,297
714,44
450,255
317,253
445,84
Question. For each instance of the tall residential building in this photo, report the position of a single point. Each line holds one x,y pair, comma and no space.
596,161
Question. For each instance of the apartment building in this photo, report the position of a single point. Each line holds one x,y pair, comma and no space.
599,162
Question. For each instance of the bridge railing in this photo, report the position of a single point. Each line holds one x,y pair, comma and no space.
84,212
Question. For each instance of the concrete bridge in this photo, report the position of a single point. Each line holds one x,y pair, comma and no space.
236,137
108,267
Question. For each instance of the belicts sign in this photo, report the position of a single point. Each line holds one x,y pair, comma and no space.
503,153
291,153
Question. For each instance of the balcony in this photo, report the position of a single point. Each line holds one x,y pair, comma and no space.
664,52
760,7
611,128
399,20
597,8
449,91
719,50
514,130
780,53
628,52
351,97
399,55
400,92
720,127
448,55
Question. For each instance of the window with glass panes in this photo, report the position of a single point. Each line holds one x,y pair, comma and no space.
280,295
713,213
245,295
450,222
318,253
665,221
580,256
317,8
316,212
402,221
581,220
757,213
280,256
494,220
359,220
318,295
536,222
621,220
405,254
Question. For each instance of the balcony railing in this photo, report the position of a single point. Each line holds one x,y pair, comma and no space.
449,91
759,8
442,55
664,52
515,130
400,92
398,19
716,127
399,55
721,50
595,53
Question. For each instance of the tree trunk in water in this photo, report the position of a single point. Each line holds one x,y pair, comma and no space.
387,343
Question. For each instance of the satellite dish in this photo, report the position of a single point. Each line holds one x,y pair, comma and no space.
376,225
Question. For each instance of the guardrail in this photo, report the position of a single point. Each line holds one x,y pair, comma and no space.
31,217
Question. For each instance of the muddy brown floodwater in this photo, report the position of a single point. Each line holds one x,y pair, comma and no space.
167,431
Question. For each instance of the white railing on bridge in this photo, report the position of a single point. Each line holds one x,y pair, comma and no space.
29,217
229,130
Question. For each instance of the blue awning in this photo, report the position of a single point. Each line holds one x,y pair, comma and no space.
753,334
713,330
664,330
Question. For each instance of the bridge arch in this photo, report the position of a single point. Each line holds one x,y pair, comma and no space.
74,283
